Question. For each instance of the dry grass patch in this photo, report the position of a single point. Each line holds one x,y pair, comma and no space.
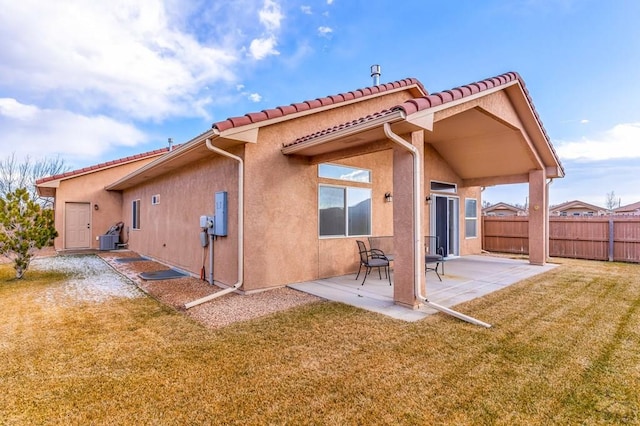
563,350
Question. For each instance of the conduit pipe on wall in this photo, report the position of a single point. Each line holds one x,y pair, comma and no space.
417,226
240,229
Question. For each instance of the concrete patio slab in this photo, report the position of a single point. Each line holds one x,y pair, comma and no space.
465,278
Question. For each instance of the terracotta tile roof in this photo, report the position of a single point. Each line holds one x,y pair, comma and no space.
418,104
104,165
255,117
342,126
435,99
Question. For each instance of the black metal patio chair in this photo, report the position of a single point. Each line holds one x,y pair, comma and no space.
370,259
433,254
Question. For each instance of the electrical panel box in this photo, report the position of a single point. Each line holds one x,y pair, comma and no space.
220,223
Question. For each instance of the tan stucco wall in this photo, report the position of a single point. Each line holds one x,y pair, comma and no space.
281,217
170,231
282,202
89,188
281,207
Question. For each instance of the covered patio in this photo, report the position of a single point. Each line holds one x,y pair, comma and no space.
483,134
465,278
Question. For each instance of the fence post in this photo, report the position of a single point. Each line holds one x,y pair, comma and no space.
611,238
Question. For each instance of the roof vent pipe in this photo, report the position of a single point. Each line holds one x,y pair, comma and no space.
375,73
170,141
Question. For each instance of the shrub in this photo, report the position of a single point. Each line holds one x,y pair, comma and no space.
24,228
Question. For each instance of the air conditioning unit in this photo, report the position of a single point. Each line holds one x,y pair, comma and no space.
108,242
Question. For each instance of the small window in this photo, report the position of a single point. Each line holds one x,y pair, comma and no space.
135,219
470,218
451,188
155,199
333,171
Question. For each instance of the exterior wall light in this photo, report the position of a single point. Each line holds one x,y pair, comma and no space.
428,200
388,197
96,207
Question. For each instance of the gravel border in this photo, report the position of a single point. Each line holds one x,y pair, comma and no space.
217,313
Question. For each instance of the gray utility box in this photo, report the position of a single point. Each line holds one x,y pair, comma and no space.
109,242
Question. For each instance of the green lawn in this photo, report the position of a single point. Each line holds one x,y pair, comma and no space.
564,349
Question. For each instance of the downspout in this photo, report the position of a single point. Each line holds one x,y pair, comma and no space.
417,226
240,229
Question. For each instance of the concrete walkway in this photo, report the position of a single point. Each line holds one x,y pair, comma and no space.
465,278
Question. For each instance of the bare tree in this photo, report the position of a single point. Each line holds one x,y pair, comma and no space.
610,202
16,174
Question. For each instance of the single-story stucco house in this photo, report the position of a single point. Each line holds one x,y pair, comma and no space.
292,188
630,209
577,208
503,209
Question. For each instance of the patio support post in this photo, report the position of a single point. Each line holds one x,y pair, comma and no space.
404,234
538,218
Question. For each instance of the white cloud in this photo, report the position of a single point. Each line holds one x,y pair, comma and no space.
123,56
584,121
620,142
29,130
270,15
325,31
255,97
329,1
260,48
306,10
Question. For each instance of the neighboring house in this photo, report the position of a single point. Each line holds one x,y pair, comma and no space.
503,209
83,209
577,208
629,209
304,181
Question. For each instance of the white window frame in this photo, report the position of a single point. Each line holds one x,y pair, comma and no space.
447,187
470,219
346,178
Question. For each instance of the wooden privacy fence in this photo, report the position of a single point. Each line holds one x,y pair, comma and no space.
613,238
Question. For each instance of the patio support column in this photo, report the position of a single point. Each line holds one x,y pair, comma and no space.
403,222
538,214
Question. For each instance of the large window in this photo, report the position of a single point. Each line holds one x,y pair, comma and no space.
344,210
470,218
135,214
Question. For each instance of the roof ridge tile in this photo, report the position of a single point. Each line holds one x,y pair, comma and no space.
256,117
103,165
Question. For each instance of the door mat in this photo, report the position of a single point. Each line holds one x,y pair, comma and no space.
165,274
130,259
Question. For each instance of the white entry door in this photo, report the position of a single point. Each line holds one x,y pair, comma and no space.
77,225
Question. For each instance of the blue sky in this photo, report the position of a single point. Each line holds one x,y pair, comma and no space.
95,81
